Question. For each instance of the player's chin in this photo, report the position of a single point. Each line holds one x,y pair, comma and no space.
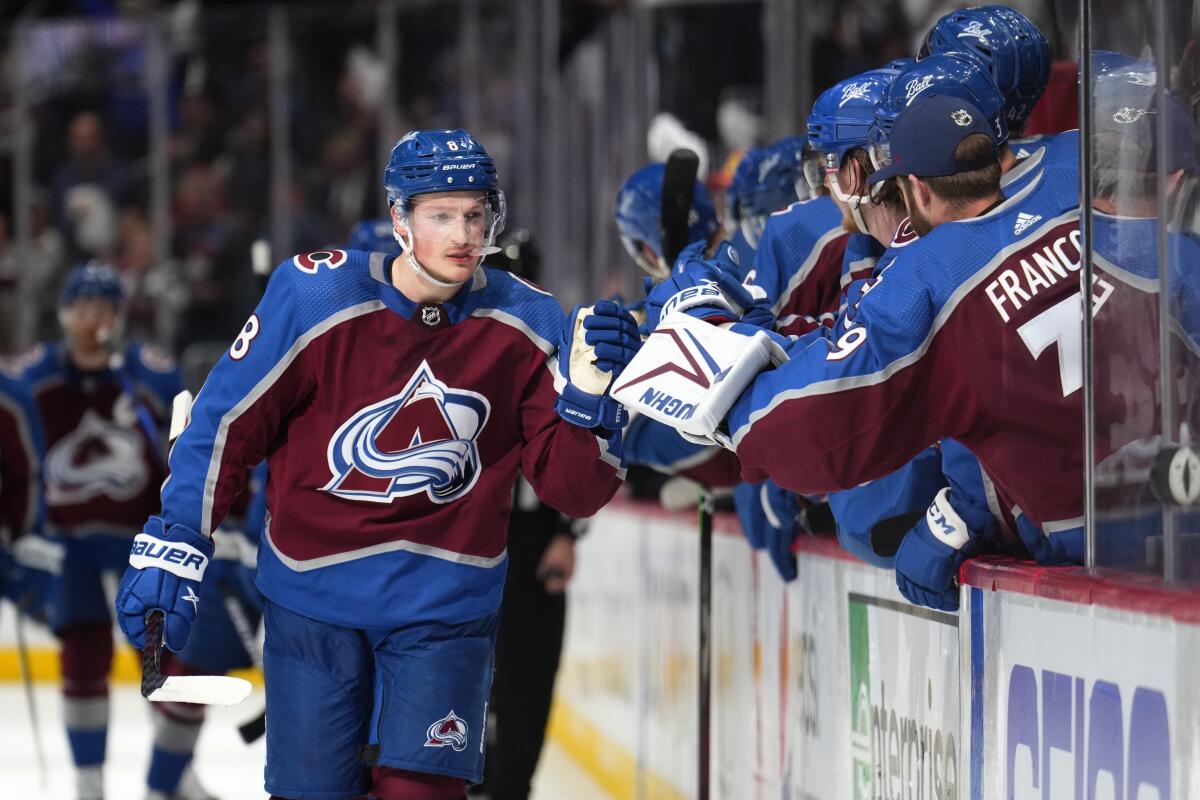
457,267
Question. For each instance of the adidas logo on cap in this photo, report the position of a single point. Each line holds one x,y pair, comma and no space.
1025,222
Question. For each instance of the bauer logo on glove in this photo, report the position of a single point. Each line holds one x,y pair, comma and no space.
180,559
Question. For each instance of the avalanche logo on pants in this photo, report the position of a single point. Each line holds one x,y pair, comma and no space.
449,731
420,440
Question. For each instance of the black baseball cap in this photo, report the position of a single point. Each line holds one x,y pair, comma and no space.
926,134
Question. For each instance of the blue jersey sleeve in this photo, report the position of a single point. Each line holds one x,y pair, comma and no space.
253,388
872,518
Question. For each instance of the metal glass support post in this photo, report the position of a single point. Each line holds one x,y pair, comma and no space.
469,44
387,42
26,321
281,155
549,210
157,67
1087,136
525,122
1166,389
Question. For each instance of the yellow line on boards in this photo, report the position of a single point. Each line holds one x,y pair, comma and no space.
126,668
609,764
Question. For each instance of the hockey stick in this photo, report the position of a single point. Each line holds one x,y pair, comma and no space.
252,730
679,183
705,511
27,683
208,690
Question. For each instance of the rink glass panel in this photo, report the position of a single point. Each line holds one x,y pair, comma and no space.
1144,222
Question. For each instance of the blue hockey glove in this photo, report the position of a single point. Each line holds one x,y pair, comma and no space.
165,570
29,574
591,353
768,515
953,529
704,290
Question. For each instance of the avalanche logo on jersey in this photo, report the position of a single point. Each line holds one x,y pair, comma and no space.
420,440
449,731
100,457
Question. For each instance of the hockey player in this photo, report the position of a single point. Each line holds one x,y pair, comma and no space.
766,180
1130,124
29,562
395,399
939,312
373,236
638,214
1009,46
639,219
102,408
813,250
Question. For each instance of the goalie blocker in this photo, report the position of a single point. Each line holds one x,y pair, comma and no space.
689,372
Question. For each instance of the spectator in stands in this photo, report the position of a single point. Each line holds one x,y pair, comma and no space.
87,188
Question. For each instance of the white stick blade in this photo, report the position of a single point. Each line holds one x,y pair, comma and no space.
181,409
208,690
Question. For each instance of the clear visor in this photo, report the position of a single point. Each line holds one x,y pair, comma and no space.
645,257
753,227
471,223
879,149
814,169
817,168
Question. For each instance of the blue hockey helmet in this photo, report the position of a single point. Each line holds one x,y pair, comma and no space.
639,217
1011,47
766,180
374,235
1034,53
947,74
92,280
840,119
424,162
438,161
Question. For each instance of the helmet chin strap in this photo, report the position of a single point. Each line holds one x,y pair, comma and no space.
854,201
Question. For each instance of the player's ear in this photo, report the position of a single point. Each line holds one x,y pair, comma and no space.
919,191
858,177
397,219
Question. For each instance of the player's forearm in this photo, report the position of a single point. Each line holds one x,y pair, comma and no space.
572,469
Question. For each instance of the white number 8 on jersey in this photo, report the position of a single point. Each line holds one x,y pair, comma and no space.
241,345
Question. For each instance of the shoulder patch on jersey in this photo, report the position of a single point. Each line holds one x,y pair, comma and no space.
311,262
905,234
20,363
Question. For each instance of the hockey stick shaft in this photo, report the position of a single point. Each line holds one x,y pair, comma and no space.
253,729
30,702
705,514
679,184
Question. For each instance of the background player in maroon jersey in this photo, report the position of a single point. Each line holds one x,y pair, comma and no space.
102,407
